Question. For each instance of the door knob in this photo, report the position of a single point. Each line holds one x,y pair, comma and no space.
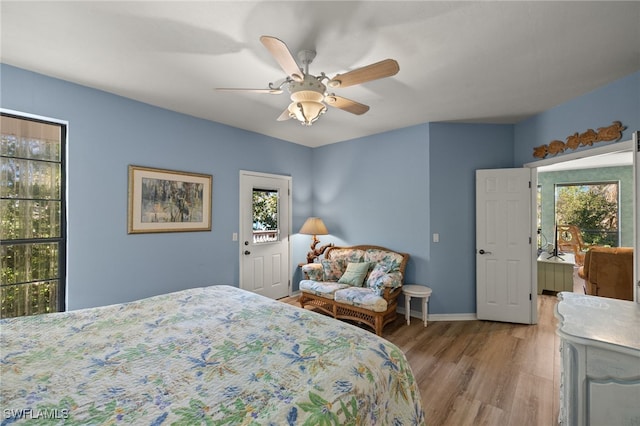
247,252
481,251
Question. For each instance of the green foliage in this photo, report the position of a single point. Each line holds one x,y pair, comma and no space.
593,209
265,210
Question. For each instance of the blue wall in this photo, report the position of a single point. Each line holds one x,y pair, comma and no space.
106,134
393,189
375,190
617,101
457,151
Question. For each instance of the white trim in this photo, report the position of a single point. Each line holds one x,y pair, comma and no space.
265,175
607,149
438,317
636,214
452,317
34,116
533,233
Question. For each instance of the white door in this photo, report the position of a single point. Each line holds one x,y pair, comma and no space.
636,211
264,233
503,246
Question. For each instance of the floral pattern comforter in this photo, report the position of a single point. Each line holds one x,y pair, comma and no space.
216,356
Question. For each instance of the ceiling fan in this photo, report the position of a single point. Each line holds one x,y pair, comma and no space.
309,92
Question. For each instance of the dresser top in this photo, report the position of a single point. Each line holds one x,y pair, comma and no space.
599,321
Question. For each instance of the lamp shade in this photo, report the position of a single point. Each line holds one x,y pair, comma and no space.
314,226
306,112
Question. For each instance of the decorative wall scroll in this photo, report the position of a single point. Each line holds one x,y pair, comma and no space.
588,138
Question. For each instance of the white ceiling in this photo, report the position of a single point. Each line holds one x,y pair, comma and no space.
496,62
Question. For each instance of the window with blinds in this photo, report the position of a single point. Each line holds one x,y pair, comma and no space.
32,216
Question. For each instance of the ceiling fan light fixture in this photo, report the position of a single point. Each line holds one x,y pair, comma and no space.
307,96
306,112
307,100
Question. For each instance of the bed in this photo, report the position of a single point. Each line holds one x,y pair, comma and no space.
216,355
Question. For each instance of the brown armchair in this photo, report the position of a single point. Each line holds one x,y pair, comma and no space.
608,272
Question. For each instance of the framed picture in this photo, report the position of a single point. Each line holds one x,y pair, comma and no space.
168,201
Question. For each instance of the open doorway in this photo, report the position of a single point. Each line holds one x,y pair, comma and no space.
609,167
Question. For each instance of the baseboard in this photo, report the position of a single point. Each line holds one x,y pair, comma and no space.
440,317
452,317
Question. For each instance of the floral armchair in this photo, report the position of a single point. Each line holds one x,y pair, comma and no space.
360,283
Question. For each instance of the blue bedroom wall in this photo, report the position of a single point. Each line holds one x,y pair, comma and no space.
375,190
106,134
397,188
457,151
617,101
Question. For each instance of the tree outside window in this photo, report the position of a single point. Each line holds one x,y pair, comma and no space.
593,208
265,215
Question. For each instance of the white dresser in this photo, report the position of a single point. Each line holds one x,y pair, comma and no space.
600,367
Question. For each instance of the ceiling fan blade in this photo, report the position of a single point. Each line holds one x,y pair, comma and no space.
267,91
283,56
381,69
285,115
346,104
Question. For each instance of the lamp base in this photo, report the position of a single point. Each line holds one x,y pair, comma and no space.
313,254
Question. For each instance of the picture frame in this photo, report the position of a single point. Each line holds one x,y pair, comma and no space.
162,200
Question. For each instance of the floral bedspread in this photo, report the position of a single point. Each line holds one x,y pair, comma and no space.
216,355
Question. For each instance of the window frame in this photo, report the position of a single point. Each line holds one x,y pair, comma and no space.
558,185
267,236
61,240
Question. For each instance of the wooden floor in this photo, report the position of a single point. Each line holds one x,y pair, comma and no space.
482,372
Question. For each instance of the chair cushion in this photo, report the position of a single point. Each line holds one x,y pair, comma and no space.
361,297
321,288
355,273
